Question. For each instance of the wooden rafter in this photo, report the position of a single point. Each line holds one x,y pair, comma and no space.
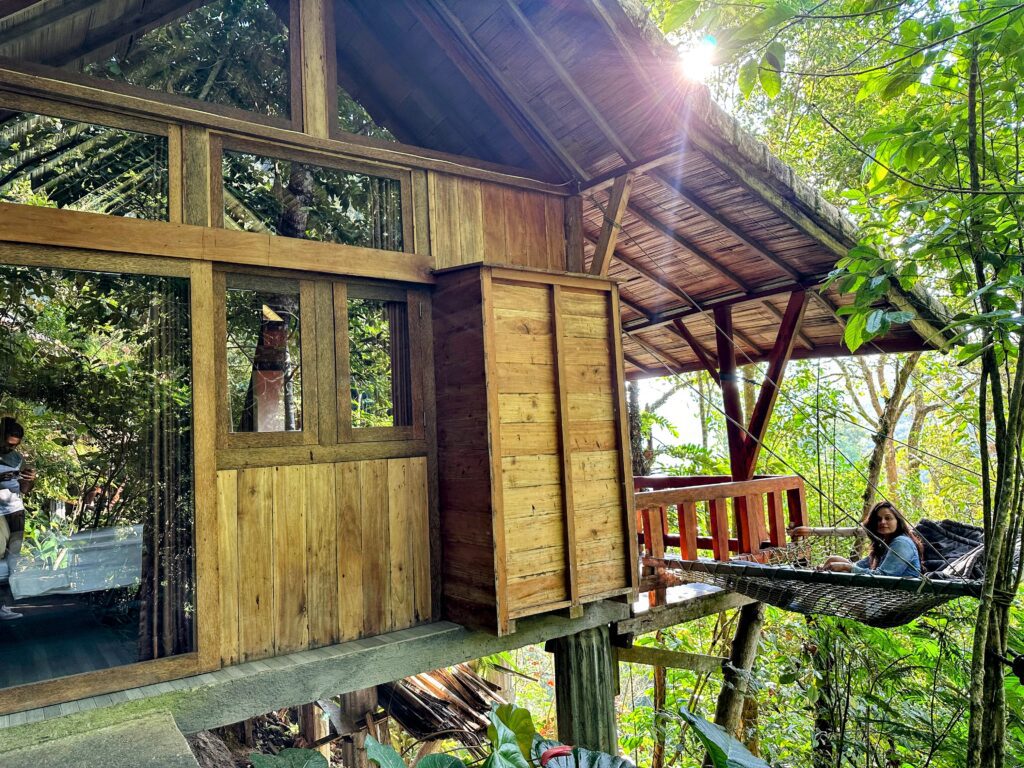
694,202
500,94
617,202
643,165
781,353
779,315
705,357
33,24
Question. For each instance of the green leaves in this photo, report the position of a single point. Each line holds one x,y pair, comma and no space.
580,758
747,76
679,14
723,749
518,721
505,745
381,754
297,758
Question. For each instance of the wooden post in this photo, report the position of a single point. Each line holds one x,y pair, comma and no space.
319,96
744,651
574,233
313,727
585,689
730,389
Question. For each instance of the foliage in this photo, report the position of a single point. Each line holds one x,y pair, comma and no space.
723,750
370,365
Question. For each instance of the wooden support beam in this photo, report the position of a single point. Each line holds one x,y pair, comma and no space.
781,353
779,315
501,93
692,200
643,165
737,673
730,389
690,247
637,364
710,364
315,40
658,657
574,234
585,689
617,202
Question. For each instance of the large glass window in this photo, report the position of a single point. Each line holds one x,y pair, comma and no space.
264,355
96,514
311,202
57,163
229,52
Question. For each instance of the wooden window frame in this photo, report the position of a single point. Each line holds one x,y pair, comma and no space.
221,142
309,434
62,111
206,655
327,414
291,121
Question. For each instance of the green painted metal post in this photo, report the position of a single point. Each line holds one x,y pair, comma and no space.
585,689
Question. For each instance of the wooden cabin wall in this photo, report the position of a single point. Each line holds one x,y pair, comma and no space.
473,220
312,555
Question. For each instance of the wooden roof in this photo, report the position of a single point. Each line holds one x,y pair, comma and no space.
575,92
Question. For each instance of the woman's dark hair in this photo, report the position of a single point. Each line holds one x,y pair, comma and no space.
879,546
10,428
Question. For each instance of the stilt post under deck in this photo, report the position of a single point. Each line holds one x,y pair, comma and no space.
585,689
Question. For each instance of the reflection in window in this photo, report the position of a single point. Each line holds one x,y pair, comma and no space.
353,118
378,337
296,199
56,163
264,359
230,52
97,559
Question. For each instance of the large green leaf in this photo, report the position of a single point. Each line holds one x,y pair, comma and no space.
723,749
506,752
382,754
680,13
519,721
290,758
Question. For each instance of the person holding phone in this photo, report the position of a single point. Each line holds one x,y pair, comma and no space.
16,479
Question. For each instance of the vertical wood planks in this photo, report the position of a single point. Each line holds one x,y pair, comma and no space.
472,221
227,557
291,628
400,552
350,550
422,543
796,499
318,99
565,445
255,563
376,551
204,416
322,577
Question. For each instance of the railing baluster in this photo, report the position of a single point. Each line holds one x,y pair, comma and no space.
776,523
687,512
796,498
719,529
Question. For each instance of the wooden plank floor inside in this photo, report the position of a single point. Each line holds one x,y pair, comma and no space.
62,635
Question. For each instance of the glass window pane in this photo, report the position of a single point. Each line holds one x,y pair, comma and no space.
378,339
97,550
229,52
294,199
353,118
264,358
56,163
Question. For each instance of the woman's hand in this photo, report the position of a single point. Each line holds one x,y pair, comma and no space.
837,564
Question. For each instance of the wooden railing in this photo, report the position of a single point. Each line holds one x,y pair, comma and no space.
743,517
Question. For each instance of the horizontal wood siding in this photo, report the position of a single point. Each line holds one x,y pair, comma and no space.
316,554
464,473
599,506
472,221
532,477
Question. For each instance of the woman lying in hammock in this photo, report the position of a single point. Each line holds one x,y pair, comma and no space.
895,548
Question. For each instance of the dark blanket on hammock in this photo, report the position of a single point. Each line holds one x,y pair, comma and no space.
948,541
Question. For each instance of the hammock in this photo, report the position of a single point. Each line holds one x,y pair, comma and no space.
878,601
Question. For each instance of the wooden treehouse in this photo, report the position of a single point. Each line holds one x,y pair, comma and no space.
381,271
